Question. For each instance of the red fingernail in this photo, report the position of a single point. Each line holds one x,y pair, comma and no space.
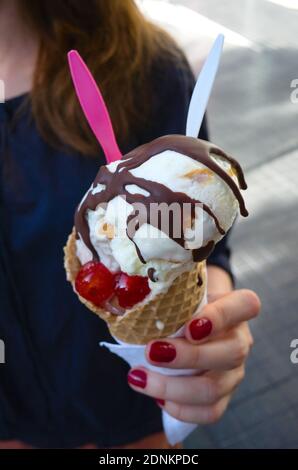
161,351
160,402
137,377
200,328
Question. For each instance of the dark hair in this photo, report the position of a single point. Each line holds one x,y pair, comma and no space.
119,46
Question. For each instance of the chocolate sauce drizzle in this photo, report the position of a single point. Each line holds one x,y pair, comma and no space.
152,275
116,183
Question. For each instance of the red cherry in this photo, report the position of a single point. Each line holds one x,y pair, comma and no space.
131,289
95,283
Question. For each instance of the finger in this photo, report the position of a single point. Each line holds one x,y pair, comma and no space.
194,390
227,352
225,382
223,314
212,297
249,335
198,414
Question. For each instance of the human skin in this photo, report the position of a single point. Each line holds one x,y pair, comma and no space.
203,398
18,51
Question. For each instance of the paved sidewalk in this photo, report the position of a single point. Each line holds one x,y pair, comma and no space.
252,117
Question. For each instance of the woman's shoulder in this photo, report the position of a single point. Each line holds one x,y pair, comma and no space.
172,74
172,86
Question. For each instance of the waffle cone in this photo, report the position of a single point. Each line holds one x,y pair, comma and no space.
160,317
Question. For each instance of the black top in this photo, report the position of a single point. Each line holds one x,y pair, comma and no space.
59,388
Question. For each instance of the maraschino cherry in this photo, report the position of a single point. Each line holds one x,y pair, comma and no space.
95,283
131,289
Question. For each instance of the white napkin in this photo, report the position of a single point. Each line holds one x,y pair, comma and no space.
134,354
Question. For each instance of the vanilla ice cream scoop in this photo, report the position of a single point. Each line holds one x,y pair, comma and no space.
159,209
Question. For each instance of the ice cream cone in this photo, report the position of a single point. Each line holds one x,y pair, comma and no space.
160,317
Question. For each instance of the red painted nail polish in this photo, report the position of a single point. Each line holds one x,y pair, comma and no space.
160,402
200,328
161,351
137,377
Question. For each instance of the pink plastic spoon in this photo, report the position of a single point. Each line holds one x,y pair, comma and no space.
93,106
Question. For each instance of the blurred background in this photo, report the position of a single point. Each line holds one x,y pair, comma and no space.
252,116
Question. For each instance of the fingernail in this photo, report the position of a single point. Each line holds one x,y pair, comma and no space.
137,377
200,328
161,351
160,402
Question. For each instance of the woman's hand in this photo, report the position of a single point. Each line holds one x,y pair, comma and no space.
216,344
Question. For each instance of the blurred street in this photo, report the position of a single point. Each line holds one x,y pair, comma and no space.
252,117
